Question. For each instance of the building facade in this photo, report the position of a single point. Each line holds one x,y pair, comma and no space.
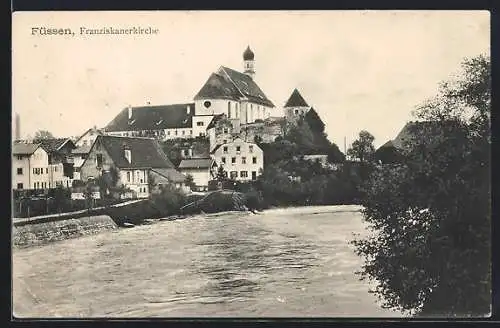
241,160
133,157
202,170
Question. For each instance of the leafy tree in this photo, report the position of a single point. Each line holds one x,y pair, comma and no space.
42,134
190,181
362,148
431,217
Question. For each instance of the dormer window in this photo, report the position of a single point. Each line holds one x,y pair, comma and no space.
131,122
159,122
207,104
128,155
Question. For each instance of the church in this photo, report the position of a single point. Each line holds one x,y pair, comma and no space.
227,92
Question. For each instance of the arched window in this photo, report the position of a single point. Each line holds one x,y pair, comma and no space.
229,109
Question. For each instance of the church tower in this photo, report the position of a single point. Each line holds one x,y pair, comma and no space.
249,62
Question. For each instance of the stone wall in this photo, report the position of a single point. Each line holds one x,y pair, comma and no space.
42,233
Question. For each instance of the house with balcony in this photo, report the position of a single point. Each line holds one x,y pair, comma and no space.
242,160
134,158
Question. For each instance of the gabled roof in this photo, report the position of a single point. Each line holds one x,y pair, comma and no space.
19,148
145,152
54,144
82,150
169,175
231,84
97,131
296,100
153,118
196,163
413,129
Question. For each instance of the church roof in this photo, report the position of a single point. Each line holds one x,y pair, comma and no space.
296,100
153,118
230,84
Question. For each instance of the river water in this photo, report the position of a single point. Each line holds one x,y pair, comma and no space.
284,262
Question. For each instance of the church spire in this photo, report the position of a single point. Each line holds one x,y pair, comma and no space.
249,62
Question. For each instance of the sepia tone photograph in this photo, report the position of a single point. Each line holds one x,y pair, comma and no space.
176,164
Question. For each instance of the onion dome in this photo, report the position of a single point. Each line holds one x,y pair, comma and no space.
248,54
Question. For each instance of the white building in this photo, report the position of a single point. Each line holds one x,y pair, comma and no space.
201,169
41,165
88,138
243,161
226,91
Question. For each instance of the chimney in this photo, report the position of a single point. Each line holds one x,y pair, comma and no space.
129,112
188,110
18,127
128,153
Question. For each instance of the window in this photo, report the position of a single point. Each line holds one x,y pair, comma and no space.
254,175
34,171
183,132
244,174
228,109
55,168
141,181
85,142
207,104
34,185
226,130
128,176
250,148
225,141
190,131
223,159
175,132
296,111
19,186
20,170
19,157
243,160
168,133
199,123
234,174
47,170
233,160
238,149
254,160
225,150
98,160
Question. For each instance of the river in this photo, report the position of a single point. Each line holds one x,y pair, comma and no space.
283,262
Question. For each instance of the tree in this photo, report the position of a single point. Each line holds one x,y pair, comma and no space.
431,217
190,181
362,148
42,134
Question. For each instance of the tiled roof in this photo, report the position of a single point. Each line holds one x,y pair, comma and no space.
218,86
145,152
24,148
170,175
415,128
296,100
53,144
230,84
97,132
153,118
82,150
196,163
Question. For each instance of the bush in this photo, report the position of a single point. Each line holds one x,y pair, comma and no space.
169,200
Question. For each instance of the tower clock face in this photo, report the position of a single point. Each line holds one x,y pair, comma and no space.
207,104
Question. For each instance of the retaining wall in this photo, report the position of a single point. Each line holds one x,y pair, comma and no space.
35,234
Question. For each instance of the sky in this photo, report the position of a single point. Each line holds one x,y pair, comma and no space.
360,70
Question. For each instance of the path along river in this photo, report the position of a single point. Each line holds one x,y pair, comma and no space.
283,262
